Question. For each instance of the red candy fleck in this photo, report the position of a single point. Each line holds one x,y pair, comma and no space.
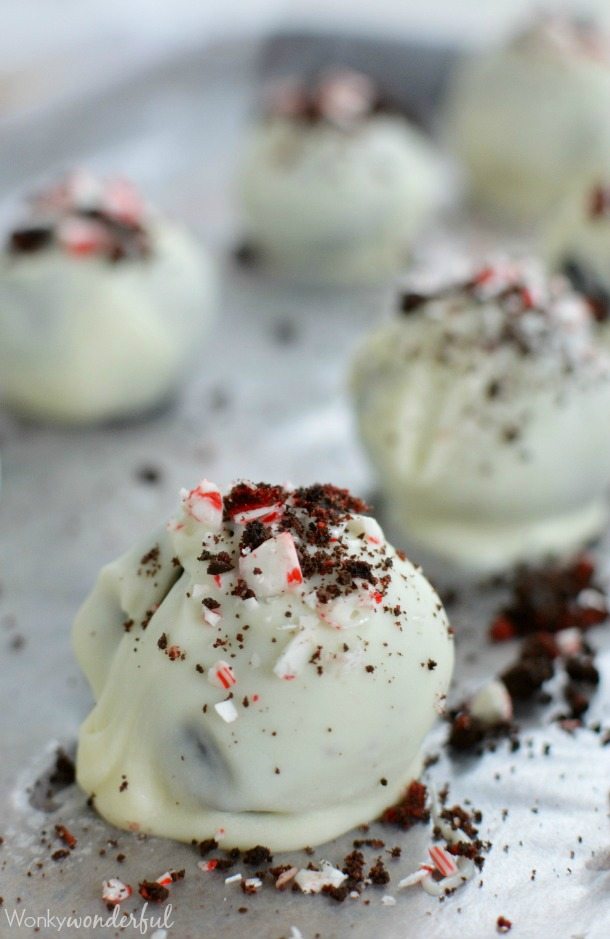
502,629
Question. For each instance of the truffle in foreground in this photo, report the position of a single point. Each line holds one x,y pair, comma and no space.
261,669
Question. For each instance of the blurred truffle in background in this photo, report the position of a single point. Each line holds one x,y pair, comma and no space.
528,117
103,303
336,182
482,407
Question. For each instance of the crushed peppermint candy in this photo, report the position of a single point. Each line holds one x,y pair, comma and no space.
492,704
204,503
443,861
114,891
314,881
295,656
83,217
221,675
508,303
170,877
340,97
226,710
251,884
273,567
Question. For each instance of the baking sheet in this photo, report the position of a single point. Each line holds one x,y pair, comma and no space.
268,401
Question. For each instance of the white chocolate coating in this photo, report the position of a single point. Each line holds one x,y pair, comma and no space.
82,339
297,754
332,204
526,119
487,422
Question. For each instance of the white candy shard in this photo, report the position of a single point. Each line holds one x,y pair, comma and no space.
387,900
226,710
233,879
592,597
366,527
204,504
273,567
294,657
314,881
569,641
492,704
348,612
295,933
415,878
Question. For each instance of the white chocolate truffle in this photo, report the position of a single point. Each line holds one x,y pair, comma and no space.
102,304
265,671
526,119
485,410
576,242
334,189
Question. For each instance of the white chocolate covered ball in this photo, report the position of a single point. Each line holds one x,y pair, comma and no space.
525,119
265,670
485,410
333,190
102,305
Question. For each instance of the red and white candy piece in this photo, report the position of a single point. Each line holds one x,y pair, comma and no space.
226,710
252,884
212,617
443,861
261,513
169,877
114,891
204,504
221,675
121,200
273,567
492,704
82,237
